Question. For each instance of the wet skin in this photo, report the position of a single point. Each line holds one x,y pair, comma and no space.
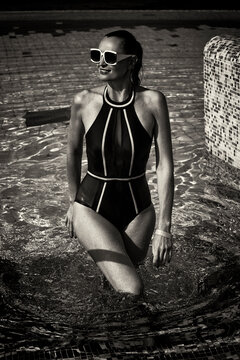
118,254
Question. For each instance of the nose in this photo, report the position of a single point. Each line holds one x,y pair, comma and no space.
102,61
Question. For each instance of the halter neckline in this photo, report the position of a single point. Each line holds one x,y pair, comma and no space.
118,103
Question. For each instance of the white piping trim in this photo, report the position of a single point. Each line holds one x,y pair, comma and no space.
101,196
115,178
134,200
103,142
131,139
115,105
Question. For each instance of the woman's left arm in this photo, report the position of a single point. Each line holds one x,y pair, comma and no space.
162,244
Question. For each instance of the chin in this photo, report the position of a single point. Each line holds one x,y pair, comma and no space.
104,77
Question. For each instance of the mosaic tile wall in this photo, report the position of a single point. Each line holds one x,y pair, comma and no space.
222,98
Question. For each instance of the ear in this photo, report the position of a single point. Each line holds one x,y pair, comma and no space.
134,60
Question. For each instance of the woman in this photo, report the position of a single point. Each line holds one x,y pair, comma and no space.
111,211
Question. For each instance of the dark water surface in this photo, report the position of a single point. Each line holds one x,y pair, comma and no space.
51,290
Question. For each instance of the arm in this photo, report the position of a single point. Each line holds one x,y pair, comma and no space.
74,155
165,177
74,148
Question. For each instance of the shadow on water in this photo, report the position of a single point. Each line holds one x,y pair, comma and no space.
58,306
124,322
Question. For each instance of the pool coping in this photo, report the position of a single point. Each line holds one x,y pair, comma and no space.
99,14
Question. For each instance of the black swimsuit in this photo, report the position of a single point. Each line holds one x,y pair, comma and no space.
117,147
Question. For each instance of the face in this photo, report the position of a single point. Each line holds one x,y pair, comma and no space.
122,68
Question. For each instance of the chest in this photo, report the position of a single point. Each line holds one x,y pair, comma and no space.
141,111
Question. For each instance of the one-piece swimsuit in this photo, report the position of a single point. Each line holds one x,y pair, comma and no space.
117,148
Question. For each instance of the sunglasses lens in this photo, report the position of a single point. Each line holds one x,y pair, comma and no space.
95,55
110,57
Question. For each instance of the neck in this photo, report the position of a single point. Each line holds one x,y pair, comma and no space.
119,92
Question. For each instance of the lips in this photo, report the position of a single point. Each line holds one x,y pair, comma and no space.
104,71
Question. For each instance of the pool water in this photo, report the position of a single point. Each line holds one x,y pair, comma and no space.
51,290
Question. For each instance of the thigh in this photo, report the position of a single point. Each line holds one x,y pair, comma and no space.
138,234
104,243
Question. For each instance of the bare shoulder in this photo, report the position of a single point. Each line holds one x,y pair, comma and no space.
151,98
86,96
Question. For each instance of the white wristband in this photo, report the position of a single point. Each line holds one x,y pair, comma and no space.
164,233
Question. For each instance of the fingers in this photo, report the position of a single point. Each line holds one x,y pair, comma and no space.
69,225
155,252
70,229
162,251
161,255
165,257
156,258
169,255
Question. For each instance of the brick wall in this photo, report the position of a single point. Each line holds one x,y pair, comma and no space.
222,98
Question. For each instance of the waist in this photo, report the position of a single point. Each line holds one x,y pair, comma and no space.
105,178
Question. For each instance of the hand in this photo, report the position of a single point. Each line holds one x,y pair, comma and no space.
161,249
69,221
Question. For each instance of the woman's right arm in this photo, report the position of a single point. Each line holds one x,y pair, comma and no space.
74,155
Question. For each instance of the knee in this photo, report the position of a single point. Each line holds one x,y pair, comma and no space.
135,287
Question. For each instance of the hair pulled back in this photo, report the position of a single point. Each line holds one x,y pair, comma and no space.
131,46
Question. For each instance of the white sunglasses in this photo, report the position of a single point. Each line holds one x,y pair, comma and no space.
110,57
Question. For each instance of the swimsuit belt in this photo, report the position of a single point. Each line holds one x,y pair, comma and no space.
121,179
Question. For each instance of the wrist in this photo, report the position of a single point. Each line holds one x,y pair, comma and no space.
163,233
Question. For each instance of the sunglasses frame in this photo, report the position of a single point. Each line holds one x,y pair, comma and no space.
102,54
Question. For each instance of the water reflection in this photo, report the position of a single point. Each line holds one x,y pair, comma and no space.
51,291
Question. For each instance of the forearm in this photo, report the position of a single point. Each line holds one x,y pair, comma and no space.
73,173
165,185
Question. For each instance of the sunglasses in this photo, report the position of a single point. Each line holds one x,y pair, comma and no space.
110,57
